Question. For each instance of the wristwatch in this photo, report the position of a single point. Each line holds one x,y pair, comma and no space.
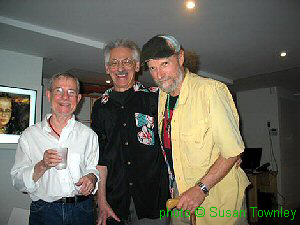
203,187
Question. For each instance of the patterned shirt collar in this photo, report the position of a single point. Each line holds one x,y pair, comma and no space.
137,86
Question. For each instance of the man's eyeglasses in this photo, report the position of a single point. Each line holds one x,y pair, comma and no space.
127,63
60,92
5,111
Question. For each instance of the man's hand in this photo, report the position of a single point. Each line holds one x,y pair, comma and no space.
87,183
51,158
191,199
105,212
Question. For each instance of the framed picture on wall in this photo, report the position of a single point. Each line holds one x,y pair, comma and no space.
17,112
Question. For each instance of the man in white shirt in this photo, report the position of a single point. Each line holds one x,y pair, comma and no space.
58,196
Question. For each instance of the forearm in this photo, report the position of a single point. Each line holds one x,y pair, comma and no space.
101,196
218,171
39,169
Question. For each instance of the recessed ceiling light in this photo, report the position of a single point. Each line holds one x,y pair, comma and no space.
108,81
283,54
190,4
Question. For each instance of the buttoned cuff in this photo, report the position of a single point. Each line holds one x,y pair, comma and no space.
30,185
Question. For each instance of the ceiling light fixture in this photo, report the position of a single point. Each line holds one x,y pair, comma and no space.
283,54
190,4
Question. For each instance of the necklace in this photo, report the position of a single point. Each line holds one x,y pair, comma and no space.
53,128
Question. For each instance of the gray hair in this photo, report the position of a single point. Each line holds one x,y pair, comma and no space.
119,44
66,75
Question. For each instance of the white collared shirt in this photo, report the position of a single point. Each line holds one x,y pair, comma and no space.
82,159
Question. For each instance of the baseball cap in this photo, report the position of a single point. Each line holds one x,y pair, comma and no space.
160,46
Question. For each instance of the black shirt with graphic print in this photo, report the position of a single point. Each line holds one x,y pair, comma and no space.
126,124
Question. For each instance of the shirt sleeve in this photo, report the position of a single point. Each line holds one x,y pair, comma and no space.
91,158
23,168
92,155
225,121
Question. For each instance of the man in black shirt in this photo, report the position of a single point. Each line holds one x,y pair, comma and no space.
134,179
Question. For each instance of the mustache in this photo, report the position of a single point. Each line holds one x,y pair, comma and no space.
64,102
122,72
162,80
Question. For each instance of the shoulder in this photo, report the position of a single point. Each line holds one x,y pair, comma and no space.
145,93
203,84
139,87
84,129
104,97
33,127
32,130
102,102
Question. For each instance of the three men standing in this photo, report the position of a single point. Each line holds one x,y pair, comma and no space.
198,125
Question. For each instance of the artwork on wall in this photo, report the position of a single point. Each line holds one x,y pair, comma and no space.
17,112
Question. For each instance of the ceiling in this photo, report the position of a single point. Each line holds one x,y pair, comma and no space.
235,39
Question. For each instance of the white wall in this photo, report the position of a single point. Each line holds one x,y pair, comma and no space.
256,108
289,114
25,71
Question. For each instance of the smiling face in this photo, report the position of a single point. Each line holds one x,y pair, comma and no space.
62,98
122,68
168,73
5,111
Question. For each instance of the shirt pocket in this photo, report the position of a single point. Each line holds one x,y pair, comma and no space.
145,125
193,143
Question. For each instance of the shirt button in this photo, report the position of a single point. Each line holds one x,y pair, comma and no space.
128,162
122,107
124,124
130,183
126,143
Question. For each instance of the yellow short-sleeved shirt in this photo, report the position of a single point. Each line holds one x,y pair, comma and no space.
205,125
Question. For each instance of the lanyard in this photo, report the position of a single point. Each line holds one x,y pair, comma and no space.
168,105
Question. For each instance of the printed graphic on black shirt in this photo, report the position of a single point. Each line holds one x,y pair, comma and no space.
146,123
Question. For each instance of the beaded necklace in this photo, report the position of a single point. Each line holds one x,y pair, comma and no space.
53,128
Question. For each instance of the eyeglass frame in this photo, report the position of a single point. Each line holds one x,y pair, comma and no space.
61,92
127,63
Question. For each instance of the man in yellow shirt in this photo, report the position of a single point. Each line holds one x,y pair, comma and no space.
201,139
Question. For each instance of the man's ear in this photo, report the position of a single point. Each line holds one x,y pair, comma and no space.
181,57
107,68
48,94
137,66
79,97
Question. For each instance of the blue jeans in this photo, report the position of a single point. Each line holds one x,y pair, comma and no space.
46,213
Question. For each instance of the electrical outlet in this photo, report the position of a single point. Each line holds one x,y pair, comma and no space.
273,132
268,124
